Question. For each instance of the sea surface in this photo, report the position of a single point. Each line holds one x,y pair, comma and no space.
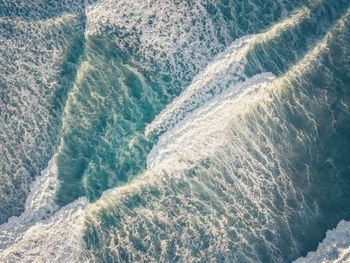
175,131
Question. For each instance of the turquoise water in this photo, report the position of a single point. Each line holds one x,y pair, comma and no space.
174,131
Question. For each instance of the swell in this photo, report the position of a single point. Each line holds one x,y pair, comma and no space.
228,70
175,40
239,180
275,50
242,174
36,75
142,69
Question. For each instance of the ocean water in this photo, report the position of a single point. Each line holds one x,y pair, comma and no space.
175,131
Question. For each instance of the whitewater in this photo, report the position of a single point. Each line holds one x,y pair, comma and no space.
175,131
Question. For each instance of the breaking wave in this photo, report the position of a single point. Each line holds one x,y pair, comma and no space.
180,131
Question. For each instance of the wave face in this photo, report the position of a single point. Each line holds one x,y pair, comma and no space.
334,248
37,67
175,131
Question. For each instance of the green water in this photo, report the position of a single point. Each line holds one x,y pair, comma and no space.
247,104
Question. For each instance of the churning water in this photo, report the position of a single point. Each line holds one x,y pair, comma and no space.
175,131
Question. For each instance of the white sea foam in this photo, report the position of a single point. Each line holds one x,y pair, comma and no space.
226,70
56,239
174,38
43,232
335,248
178,35
30,74
197,206
219,183
213,115
40,204
40,234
